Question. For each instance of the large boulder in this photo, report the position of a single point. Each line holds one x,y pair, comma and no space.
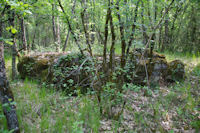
158,70
69,72
36,65
176,71
144,65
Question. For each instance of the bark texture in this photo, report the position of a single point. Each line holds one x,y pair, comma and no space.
6,95
23,34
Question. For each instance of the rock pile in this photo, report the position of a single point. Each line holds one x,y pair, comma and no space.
153,67
66,70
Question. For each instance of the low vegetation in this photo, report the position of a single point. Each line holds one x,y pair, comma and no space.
172,108
125,66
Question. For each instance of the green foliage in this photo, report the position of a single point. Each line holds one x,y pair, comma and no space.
73,73
7,41
41,109
12,29
111,98
20,8
3,127
196,70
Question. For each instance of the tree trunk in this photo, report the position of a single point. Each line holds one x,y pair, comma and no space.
66,41
34,35
123,42
14,51
70,27
106,38
38,40
28,39
99,36
112,49
84,18
67,37
23,35
54,22
85,31
149,14
14,54
154,34
56,28
160,37
178,9
58,35
132,33
145,36
92,36
6,95
166,37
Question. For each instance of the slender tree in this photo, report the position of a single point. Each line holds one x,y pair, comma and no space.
23,31
131,36
70,27
68,33
106,37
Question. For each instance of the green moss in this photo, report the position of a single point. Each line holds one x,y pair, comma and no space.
25,66
34,65
44,75
177,70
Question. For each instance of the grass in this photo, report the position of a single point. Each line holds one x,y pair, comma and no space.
196,70
167,109
188,58
45,110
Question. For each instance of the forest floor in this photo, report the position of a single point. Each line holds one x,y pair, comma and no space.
173,108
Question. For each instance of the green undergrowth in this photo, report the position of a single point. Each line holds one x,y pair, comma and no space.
41,109
196,70
45,110
173,108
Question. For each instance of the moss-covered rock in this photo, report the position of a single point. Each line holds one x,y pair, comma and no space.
34,65
176,71
152,67
158,70
70,72
143,64
63,71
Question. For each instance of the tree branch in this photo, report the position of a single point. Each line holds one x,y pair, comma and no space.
70,27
